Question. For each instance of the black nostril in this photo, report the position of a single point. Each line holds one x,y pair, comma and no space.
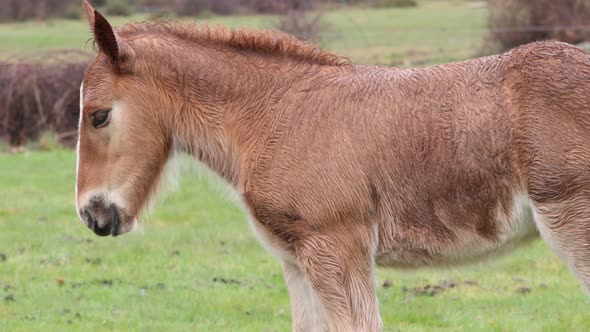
92,223
101,218
90,220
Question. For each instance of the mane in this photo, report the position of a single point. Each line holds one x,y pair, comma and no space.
267,42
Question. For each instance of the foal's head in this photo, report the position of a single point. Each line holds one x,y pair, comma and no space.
123,144
153,87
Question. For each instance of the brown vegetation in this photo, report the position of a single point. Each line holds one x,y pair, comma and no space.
20,10
40,94
516,22
305,25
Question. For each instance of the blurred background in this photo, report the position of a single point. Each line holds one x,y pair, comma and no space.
197,266
43,43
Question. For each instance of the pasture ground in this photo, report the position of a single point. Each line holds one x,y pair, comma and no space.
197,266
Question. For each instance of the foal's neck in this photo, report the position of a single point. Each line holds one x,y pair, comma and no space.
229,99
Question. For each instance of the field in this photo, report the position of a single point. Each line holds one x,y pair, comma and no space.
436,31
196,266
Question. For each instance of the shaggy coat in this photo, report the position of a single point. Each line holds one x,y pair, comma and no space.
343,166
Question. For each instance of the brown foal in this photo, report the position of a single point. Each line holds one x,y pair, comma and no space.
343,166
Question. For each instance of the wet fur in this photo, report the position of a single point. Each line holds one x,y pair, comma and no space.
342,166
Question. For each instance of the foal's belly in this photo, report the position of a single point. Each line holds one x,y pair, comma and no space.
402,249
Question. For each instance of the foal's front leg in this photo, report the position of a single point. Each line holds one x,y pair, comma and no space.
340,271
306,309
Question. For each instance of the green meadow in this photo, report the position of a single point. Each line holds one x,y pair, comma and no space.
436,31
196,265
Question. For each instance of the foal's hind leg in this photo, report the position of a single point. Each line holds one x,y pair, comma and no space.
340,271
566,227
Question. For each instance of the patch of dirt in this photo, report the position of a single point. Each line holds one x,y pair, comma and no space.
106,282
443,285
74,239
523,290
519,279
434,289
387,283
93,261
100,282
227,281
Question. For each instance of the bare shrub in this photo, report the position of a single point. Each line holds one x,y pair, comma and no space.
190,8
72,12
158,15
20,10
118,8
224,7
305,25
198,7
99,3
47,141
151,5
267,6
517,22
40,94
395,3
227,7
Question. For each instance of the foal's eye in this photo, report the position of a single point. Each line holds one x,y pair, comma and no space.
100,118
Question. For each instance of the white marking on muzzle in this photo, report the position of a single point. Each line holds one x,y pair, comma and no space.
110,196
78,150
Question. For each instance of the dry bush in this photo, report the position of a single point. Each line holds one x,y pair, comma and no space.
227,7
41,94
153,4
198,7
20,10
516,22
282,6
190,8
72,12
267,6
395,3
118,8
305,25
98,3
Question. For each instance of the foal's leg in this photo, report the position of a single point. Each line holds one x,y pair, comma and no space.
306,308
340,270
565,226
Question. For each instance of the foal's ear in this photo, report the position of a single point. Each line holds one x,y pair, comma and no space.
89,10
104,35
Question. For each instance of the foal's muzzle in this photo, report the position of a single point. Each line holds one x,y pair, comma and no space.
102,218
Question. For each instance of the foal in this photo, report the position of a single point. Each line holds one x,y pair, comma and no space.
341,166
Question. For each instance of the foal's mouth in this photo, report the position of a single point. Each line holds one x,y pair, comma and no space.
106,218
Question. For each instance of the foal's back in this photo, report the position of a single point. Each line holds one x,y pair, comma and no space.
433,161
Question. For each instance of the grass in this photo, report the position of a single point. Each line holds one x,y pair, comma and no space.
436,31
197,266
